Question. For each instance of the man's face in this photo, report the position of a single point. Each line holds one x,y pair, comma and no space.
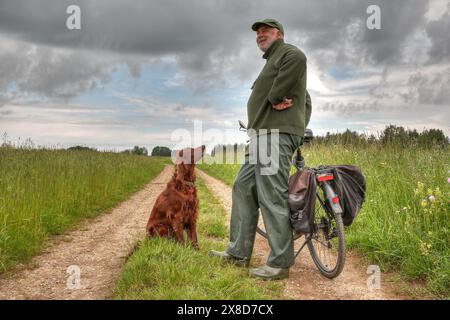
266,35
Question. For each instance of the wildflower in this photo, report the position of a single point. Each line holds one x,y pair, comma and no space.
419,189
402,209
424,248
438,192
431,198
423,203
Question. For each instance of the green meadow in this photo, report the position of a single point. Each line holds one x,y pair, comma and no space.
46,192
405,220
402,227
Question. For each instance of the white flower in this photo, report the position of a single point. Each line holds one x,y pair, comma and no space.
431,198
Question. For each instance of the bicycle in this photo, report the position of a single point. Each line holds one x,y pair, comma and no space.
326,242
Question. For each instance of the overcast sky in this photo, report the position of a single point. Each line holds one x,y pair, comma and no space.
138,71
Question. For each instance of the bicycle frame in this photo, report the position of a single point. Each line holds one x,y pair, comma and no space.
323,177
329,194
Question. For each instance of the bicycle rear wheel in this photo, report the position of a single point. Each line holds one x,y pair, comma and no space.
327,244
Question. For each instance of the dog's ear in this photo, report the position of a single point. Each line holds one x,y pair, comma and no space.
189,155
177,157
198,153
183,156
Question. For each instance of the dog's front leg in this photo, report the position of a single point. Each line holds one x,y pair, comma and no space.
193,235
179,232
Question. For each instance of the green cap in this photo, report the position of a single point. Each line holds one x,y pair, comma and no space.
269,22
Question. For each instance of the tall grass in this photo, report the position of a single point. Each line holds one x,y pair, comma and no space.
404,223
164,269
44,192
225,172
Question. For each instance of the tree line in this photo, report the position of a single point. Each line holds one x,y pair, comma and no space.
391,135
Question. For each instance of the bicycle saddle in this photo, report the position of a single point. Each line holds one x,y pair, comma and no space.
308,135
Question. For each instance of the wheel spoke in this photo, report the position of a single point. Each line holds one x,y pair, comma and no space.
325,244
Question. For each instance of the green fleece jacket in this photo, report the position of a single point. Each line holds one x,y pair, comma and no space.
283,75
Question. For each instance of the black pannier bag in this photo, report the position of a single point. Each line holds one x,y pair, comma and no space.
302,200
350,185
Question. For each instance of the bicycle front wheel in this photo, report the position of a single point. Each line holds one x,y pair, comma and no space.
327,243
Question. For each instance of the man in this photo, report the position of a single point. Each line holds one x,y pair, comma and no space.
279,104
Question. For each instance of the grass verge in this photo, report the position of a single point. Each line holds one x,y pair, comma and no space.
163,269
405,222
45,192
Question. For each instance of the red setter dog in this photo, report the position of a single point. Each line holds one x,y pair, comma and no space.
176,208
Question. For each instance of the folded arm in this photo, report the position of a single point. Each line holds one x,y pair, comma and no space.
292,68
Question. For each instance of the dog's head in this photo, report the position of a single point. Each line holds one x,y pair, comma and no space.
185,161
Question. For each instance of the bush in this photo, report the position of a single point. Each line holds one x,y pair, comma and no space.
161,151
140,151
81,148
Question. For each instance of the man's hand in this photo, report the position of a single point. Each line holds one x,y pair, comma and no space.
286,104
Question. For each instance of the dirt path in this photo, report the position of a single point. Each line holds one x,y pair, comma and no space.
99,247
305,281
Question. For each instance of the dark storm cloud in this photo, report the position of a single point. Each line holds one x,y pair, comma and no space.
147,27
205,37
431,88
50,72
200,34
439,33
197,27
339,26
4,100
399,19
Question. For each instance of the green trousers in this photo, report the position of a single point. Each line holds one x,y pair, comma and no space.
254,189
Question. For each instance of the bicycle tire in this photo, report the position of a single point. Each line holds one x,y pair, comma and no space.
340,234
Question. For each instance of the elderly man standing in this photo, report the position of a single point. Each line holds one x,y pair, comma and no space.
279,104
